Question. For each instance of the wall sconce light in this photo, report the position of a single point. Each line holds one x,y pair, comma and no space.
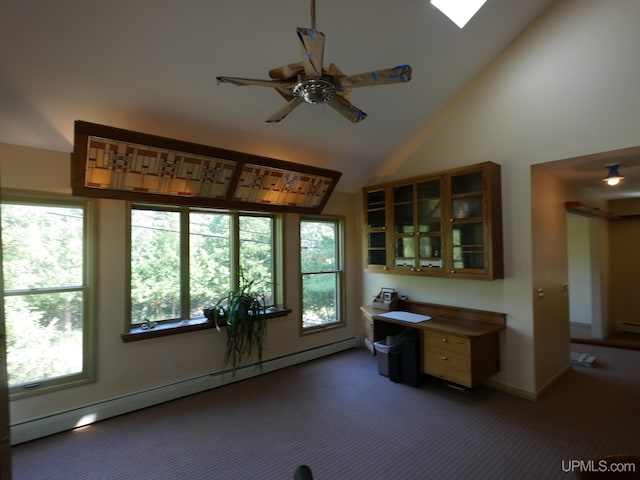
613,176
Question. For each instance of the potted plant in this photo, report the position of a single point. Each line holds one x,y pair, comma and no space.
243,313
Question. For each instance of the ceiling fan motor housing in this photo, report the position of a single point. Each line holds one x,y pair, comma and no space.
314,91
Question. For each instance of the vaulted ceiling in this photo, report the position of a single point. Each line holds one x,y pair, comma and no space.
150,66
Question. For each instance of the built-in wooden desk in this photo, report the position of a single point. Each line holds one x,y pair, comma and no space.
460,345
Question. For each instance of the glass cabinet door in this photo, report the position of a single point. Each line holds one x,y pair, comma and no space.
403,221
376,212
404,226
467,222
429,224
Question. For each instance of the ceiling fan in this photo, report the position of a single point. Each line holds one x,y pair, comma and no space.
310,82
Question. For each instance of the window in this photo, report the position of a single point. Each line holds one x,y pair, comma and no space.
47,302
184,259
322,272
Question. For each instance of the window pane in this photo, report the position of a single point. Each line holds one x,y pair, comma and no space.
318,246
256,253
172,280
44,336
321,271
43,251
155,265
210,259
319,299
42,246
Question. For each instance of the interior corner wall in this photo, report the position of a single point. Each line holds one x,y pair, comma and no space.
558,91
550,276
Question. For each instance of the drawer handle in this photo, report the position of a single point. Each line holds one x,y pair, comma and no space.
444,358
444,340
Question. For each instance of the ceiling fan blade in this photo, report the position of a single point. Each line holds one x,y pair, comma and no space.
284,111
252,81
312,45
333,69
286,72
399,74
347,109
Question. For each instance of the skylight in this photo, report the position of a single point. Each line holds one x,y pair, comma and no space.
458,11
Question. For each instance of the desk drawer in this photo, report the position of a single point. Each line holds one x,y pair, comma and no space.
450,366
446,342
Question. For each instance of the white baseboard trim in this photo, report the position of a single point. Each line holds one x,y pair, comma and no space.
526,393
519,392
78,417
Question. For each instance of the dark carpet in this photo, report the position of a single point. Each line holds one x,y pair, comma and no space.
345,421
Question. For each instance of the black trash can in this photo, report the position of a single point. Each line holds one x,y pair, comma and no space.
411,368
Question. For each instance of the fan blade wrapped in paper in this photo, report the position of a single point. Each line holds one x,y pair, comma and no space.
287,72
284,111
347,109
312,45
398,74
278,84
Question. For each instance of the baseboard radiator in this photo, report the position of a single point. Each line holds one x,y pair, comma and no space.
628,327
88,414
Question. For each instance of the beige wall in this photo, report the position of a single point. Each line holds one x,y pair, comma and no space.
550,277
126,368
625,262
566,88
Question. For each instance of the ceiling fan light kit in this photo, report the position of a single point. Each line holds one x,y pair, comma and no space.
613,177
312,83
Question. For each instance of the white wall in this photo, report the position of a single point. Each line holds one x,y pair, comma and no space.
128,368
579,259
586,262
567,87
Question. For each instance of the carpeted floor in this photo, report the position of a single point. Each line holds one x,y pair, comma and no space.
342,418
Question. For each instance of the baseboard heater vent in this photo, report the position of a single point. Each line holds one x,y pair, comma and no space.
629,327
79,417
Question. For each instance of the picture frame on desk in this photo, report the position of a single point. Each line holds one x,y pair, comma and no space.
387,299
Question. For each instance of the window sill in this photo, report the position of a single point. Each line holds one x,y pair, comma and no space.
185,326
322,328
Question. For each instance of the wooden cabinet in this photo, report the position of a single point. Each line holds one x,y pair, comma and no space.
367,331
446,224
467,361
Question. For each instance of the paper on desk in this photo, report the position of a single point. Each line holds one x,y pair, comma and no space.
405,316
